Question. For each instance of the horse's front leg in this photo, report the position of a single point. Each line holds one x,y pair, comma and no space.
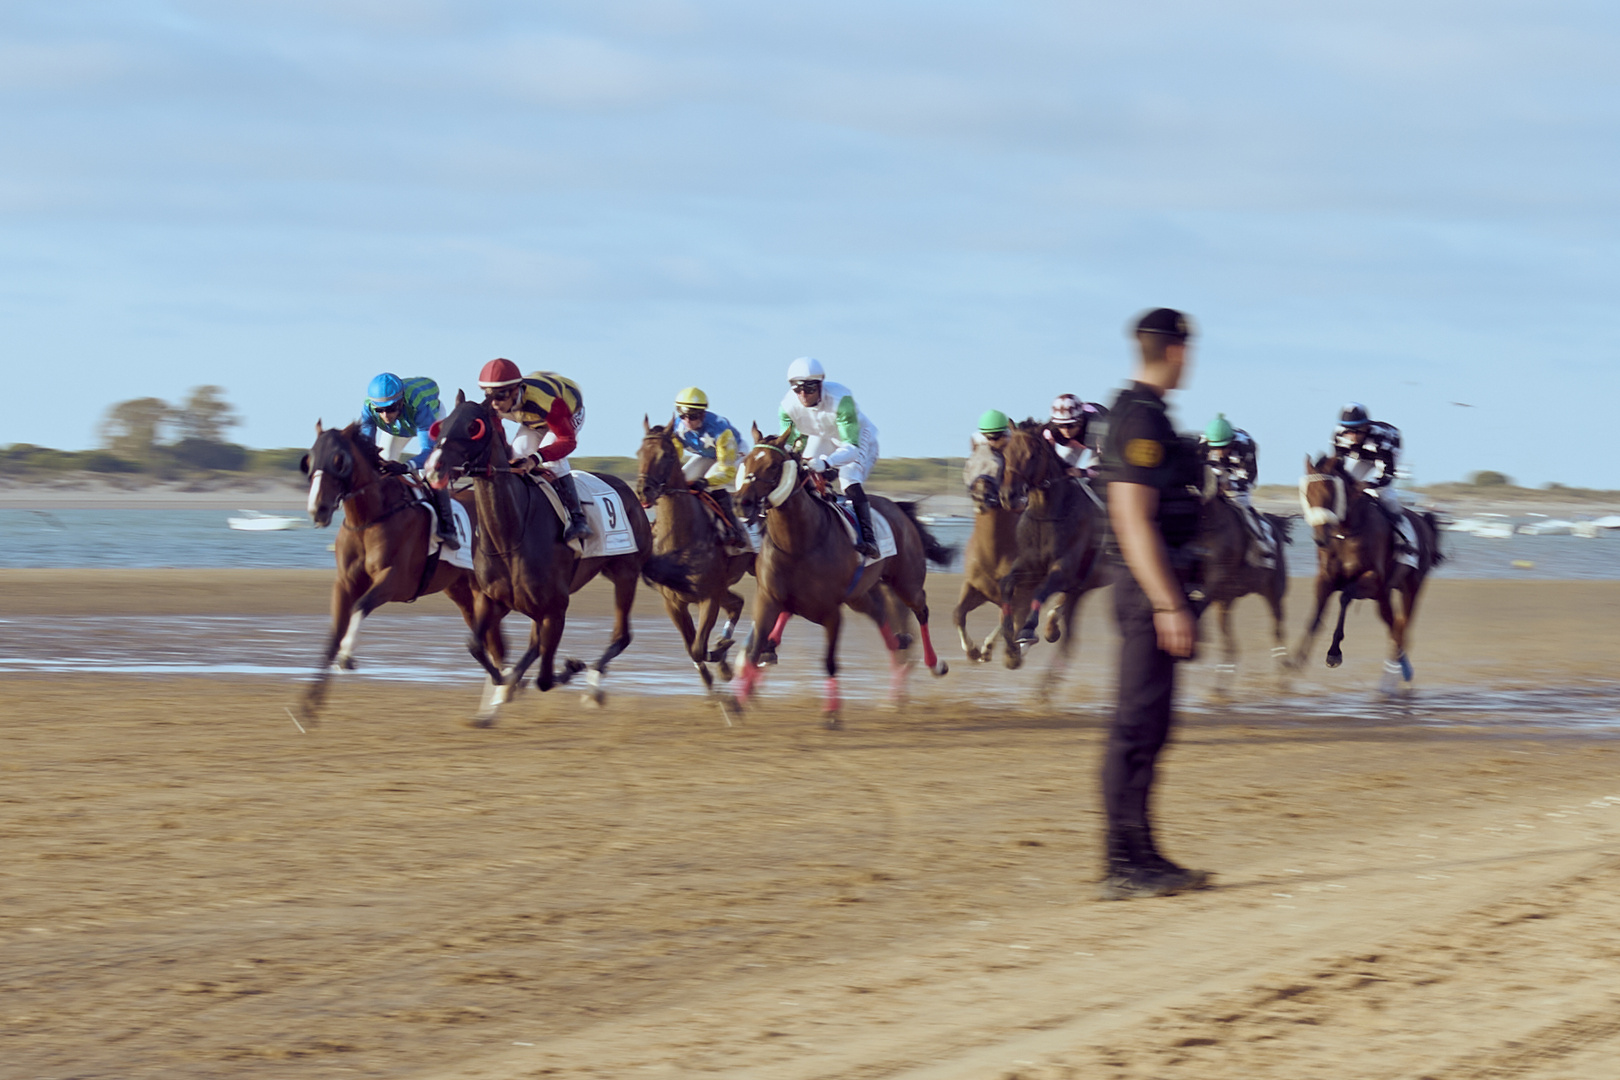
1279,647
732,604
831,704
1226,670
768,617
343,593
1334,656
1397,667
1061,631
1324,589
970,599
681,615
547,636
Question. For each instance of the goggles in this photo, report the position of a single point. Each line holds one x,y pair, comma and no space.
387,406
499,393
805,386
692,414
994,436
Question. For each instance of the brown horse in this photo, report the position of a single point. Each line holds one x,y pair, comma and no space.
1355,557
685,532
520,558
382,550
1060,540
987,568
808,566
1227,575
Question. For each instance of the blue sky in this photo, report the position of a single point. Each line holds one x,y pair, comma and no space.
955,206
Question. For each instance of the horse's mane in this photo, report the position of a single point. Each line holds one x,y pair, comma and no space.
1029,425
365,448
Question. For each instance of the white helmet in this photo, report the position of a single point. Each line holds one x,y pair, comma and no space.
806,367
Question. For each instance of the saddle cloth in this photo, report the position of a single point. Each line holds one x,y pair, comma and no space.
882,532
604,513
462,556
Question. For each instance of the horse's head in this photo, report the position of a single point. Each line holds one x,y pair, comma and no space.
339,464
658,463
767,475
1324,496
1029,464
466,442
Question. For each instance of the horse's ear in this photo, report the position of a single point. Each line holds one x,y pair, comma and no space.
461,396
303,462
759,436
353,430
318,428
646,424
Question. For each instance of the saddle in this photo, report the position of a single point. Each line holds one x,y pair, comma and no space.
882,533
734,538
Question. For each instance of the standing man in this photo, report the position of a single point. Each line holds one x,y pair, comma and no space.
1153,503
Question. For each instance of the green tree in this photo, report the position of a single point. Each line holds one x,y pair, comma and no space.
205,415
134,428
1488,478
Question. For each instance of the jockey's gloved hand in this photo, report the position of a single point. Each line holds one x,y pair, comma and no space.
817,463
700,484
395,468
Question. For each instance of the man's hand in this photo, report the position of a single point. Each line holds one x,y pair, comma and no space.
523,465
1176,631
817,464
700,484
395,468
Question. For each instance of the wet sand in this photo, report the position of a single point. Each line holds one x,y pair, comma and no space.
195,889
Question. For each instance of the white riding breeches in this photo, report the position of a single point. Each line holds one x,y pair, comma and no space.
529,441
853,461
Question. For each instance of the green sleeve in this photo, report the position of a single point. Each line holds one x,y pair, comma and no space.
787,421
848,420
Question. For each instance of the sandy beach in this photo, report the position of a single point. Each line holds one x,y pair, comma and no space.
196,889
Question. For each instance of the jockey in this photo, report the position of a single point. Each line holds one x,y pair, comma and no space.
549,411
984,467
838,436
1370,449
1075,429
1234,464
713,447
395,412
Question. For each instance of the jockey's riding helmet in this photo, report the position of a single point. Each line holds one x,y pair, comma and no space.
691,398
806,369
1167,321
498,373
1353,414
1219,432
993,422
385,390
1067,409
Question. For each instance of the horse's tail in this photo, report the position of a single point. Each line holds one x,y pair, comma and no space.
1434,531
1284,524
670,571
937,553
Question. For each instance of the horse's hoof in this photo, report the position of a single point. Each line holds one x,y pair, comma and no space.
902,642
1052,634
940,668
723,666
481,722
1406,669
346,663
1335,659
973,656
832,722
593,699
766,658
1013,659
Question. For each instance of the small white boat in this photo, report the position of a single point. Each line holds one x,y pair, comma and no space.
944,519
259,521
1547,527
1610,522
1587,529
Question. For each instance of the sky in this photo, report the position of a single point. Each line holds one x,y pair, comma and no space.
955,206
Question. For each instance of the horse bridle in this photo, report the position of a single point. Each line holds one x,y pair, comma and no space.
784,488
663,486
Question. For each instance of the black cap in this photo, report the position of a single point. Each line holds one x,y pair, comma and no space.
1165,321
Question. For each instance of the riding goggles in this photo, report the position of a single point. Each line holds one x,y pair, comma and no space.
801,386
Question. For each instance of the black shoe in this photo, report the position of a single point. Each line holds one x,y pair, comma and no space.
1144,882
577,527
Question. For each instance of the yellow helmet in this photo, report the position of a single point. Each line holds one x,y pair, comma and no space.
691,398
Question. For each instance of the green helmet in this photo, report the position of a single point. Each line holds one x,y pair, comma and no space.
1219,432
993,420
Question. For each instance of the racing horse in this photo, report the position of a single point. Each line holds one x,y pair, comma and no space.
520,559
684,532
808,566
1355,557
987,565
1060,542
1226,575
382,550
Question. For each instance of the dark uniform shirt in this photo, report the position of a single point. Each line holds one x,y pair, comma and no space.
1142,448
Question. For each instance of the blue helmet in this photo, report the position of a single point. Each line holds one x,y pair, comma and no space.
385,389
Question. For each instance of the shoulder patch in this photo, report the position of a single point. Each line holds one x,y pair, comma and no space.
1144,453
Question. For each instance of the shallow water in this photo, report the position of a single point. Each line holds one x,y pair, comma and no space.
431,649
200,538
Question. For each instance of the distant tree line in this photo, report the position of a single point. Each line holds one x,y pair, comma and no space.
148,435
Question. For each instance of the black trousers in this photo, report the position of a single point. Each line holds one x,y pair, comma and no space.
1147,683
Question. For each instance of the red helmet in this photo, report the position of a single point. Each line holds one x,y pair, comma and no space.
498,373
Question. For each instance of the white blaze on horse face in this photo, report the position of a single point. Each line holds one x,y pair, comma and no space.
1320,515
315,491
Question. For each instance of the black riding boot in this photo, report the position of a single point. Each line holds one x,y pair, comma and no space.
447,523
577,528
863,514
731,533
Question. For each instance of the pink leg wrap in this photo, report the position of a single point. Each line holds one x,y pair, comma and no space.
1034,605
928,648
781,625
888,638
832,702
746,680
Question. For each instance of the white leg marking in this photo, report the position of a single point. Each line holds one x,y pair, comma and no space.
346,648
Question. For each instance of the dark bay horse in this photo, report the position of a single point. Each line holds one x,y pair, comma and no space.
987,569
1355,557
1227,575
382,550
520,558
684,532
808,566
1060,539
